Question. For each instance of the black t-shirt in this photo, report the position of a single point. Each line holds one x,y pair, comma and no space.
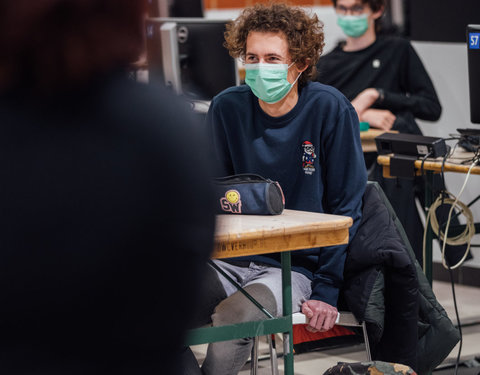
392,65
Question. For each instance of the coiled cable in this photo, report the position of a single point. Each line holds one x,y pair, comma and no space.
461,239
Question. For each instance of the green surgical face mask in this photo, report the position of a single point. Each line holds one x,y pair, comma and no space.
268,81
353,26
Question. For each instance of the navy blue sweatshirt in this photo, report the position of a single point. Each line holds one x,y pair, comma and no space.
313,151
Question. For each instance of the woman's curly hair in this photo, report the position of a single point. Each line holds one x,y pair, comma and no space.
304,33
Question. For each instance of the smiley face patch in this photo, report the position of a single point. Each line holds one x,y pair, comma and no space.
231,202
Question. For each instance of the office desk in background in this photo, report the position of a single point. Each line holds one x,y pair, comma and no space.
453,164
240,235
431,166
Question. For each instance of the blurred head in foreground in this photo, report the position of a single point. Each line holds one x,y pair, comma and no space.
47,44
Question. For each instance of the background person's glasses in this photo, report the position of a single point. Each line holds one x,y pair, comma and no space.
355,10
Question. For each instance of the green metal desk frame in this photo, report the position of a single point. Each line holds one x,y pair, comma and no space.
281,324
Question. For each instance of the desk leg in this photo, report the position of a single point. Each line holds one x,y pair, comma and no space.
429,238
287,311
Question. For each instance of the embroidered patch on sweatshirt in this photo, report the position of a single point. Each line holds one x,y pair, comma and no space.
308,157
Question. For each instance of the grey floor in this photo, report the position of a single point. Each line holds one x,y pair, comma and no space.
313,363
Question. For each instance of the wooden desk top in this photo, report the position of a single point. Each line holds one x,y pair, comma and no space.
453,163
240,235
371,134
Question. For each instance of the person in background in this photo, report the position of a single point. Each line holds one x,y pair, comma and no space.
382,76
286,128
95,198
389,88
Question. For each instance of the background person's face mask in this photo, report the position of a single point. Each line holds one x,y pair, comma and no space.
269,81
353,26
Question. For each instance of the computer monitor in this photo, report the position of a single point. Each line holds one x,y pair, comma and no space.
473,44
188,55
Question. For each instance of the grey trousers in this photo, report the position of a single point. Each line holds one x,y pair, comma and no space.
264,283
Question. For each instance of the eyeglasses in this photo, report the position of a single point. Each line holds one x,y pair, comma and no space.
355,10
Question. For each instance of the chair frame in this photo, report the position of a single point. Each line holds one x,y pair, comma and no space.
345,319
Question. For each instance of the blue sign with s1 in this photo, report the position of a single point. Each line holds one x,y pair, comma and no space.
474,40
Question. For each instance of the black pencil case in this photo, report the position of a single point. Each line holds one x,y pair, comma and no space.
248,194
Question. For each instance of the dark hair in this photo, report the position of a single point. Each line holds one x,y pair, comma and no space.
48,44
375,6
304,33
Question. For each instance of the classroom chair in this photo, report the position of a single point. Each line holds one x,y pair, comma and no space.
345,319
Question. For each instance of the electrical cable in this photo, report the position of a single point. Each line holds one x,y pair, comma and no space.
423,162
452,283
442,173
459,325
464,237
467,234
426,182
422,172
453,137
444,160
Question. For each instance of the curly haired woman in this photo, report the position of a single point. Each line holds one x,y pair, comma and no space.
300,133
